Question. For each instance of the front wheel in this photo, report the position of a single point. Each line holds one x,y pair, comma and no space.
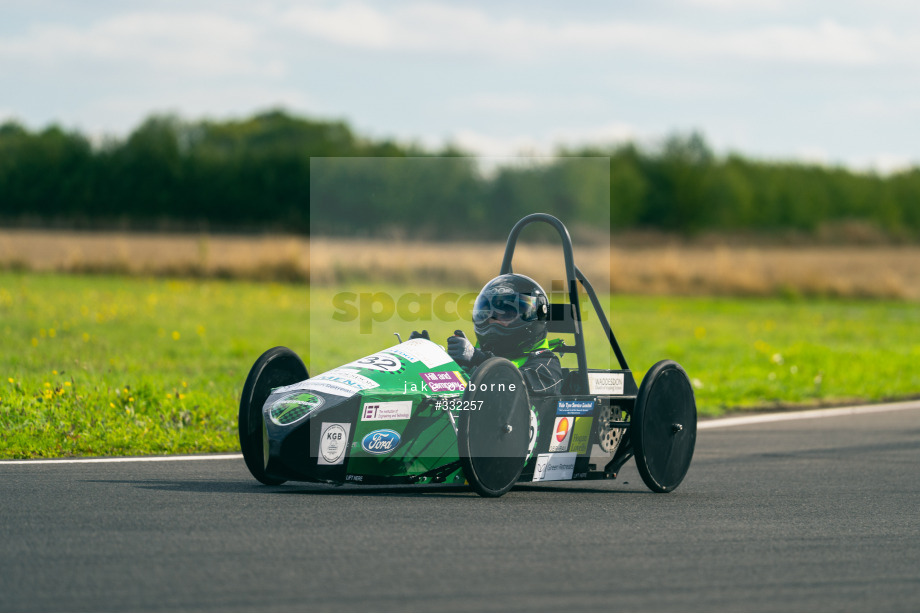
493,439
663,426
277,367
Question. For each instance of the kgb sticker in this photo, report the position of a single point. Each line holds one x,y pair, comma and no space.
333,439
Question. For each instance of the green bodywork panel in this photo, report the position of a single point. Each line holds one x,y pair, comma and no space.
410,379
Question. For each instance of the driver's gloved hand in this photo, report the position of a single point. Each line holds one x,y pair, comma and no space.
462,351
419,335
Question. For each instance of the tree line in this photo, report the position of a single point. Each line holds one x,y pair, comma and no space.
277,171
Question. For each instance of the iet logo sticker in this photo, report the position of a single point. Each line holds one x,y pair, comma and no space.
387,410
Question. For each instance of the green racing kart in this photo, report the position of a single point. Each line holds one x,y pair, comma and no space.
409,414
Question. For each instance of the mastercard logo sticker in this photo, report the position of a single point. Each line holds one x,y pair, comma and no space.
562,429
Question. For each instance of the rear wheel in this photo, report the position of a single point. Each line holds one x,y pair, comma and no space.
278,366
663,426
493,439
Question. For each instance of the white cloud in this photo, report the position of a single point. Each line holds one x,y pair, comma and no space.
606,134
507,104
884,163
180,43
812,154
828,42
492,146
546,144
451,29
126,110
353,25
738,6
874,107
419,27
766,78
503,103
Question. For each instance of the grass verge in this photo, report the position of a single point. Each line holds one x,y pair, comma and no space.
100,365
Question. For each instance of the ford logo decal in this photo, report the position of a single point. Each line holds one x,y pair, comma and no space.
382,441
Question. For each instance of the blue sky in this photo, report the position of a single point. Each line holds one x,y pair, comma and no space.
832,82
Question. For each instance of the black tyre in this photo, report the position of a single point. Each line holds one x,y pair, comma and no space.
494,438
663,426
278,366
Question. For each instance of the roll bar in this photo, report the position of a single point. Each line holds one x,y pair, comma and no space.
574,276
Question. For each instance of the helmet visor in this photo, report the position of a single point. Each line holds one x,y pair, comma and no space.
504,308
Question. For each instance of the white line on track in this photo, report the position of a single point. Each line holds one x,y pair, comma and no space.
705,424
806,415
124,459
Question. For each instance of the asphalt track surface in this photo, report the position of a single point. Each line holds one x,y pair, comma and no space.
799,515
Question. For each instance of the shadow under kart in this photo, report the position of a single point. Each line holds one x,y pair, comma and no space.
410,415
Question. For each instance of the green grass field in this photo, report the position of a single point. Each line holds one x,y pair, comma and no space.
93,365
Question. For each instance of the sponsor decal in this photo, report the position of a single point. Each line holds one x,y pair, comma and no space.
293,407
386,410
430,353
341,382
333,438
381,441
606,383
581,434
380,361
297,386
562,432
397,350
574,408
551,467
441,381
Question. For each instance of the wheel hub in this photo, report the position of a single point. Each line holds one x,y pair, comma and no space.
608,436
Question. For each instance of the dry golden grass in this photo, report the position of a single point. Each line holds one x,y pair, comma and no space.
859,271
253,257
656,267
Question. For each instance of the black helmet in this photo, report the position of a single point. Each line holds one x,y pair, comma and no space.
510,315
